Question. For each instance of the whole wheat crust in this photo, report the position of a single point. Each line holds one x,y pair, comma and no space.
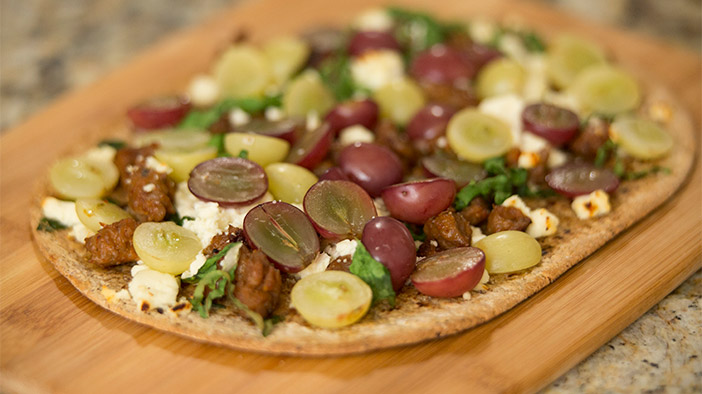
416,317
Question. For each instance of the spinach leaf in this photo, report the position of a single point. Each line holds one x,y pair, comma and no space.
335,72
375,274
50,225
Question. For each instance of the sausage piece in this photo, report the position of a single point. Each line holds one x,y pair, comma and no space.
506,218
477,211
591,137
449,229
112,245
219,241
258,282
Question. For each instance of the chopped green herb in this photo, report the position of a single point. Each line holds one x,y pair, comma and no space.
217,141
50,225
177,219
269,323
604,152
117,144
375,274
503,183
244,154
641,174
417,31
335,72
211,263
203,119
533,42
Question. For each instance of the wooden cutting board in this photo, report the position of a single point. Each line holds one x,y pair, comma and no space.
53,339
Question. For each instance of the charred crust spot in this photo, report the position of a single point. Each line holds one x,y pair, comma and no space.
178,307
144,306
159,310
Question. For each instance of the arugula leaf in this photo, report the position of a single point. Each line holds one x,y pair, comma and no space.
503,183
117,144
269,323
244,154
211,263
533,42
217,141
643,173
50,225
203,119
335,72
417,31
603,152
375,274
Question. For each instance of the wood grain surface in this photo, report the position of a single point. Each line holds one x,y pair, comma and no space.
55,340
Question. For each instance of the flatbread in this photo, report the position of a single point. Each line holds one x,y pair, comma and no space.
416,317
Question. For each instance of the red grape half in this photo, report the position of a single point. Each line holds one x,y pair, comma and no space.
572,180
450,273
370,165
417,201
557,125
158,113
389,242
228,181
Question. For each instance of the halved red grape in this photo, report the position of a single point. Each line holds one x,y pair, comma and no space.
285,129
228,181
441,64
389,242
159,113
333,174
338,209
449,273
417,201
372,40
371,166
462,172
283,233
429,122
479,55
557,125
349,113
573,180
311,147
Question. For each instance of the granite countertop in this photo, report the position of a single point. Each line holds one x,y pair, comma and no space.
48,47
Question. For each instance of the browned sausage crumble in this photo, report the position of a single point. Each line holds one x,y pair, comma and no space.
112,245
257,282
506,218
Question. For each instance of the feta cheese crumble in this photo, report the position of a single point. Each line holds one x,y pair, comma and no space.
355,133
238,117
158,166
203,91
591,205
151,289
374,19
374,69
543,222
65,213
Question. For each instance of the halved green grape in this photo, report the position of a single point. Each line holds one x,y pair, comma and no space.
183,161
399,100
606,90
509,251
172,139
285,55
331,299
641,138
289,182
306,94
76,177
475,136
242,71
261,149
166,247
95,213
106,168
570,55
501,76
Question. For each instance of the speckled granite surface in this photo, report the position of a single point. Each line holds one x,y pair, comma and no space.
49,46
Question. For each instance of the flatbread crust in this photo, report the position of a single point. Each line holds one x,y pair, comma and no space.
416,317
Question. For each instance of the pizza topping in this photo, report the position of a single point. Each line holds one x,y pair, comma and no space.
509,251
113,244
557,125
374,273
476,137
95,214
203,91
257,282
477,211
151,289
262,150
372,166
166,247
367,41
642,139
450,273
286,55
228,181
310,149
390,243
338,209
428,124
417,201
500,77
152,205
606,90
568,56
283,233
159,113
448,229
84,176
331,299
461,172
591,137
504,218
591,205
577,179
242,71
350,113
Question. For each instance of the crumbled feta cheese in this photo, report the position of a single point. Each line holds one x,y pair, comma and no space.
508,108
238,117
319,264
158,166
273,114
203,91
355,133
148,188
62,211
528,160
480,287
511,45
482,31
380,207
591,205
375,19
208,217
476,235
194,266
65,213
556,158
342,248
231,258
441,142
543,223
103,154
312,122
151,289
376,68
